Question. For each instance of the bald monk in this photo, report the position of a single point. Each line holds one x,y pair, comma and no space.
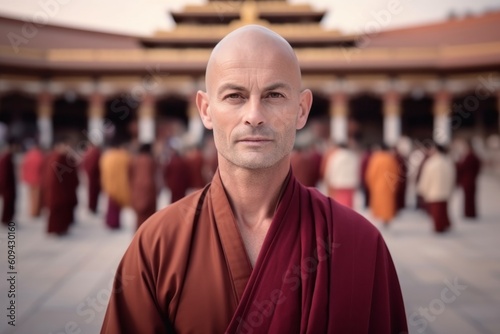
255,251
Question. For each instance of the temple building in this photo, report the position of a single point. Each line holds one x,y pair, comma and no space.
439,80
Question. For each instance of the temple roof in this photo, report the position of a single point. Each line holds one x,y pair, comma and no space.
204,25
458,45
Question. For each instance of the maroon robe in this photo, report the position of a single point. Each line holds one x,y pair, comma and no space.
7,186
322,269
61,181
176,177
306,166
143,186
439,213
467,173
90,164
401,182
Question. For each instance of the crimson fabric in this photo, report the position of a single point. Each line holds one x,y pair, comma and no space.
439,214
322,269
60,189
90,164
467,173
113,214
401,182
306,165
176,176
143,186
345,197
362,170
7,187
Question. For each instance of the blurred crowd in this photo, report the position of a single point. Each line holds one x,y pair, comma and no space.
132,175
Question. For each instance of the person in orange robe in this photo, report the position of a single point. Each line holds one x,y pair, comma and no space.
382,177
143,184
115,165
255,251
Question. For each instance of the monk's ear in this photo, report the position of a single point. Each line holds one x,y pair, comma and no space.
202,102
306,98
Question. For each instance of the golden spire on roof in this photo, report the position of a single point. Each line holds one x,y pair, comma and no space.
249,13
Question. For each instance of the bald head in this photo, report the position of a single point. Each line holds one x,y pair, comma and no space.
253,45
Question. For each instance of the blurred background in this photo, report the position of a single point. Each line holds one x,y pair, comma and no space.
104,92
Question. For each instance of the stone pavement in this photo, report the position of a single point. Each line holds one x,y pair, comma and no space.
450,282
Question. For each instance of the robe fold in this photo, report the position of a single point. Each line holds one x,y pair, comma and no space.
322,269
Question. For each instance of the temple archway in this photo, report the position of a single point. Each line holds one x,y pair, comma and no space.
121,113
171,116
417,117
473,116
365,122
70,117
18,113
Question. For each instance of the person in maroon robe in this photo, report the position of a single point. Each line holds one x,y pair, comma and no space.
143,184
195,166
401,181
255,251
60,184
306,165
176,176
7,184
468,169
90,165
365,159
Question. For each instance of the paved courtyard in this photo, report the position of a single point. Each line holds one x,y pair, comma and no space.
451,282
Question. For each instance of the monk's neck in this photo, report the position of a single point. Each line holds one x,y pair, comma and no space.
254,194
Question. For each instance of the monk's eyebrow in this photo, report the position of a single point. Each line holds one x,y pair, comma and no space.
230,86
278,85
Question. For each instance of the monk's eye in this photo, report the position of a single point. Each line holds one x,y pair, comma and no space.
275,95
233,96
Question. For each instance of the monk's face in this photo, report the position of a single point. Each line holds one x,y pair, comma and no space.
253,100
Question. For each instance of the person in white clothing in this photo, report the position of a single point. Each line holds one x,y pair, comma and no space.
342,174
436,185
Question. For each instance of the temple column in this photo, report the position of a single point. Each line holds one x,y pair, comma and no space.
442,122
338,117
96,119
44,119
146,123
392,118
195,126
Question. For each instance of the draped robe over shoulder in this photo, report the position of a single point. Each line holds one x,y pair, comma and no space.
322,269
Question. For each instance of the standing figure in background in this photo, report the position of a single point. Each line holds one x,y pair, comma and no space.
31,174
436,185
195,165
421,156
342,174
381,178
401,180
365,159
60,184
7,183
468,168
90,164
176,175
114,165
143,184
306,162
327,156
